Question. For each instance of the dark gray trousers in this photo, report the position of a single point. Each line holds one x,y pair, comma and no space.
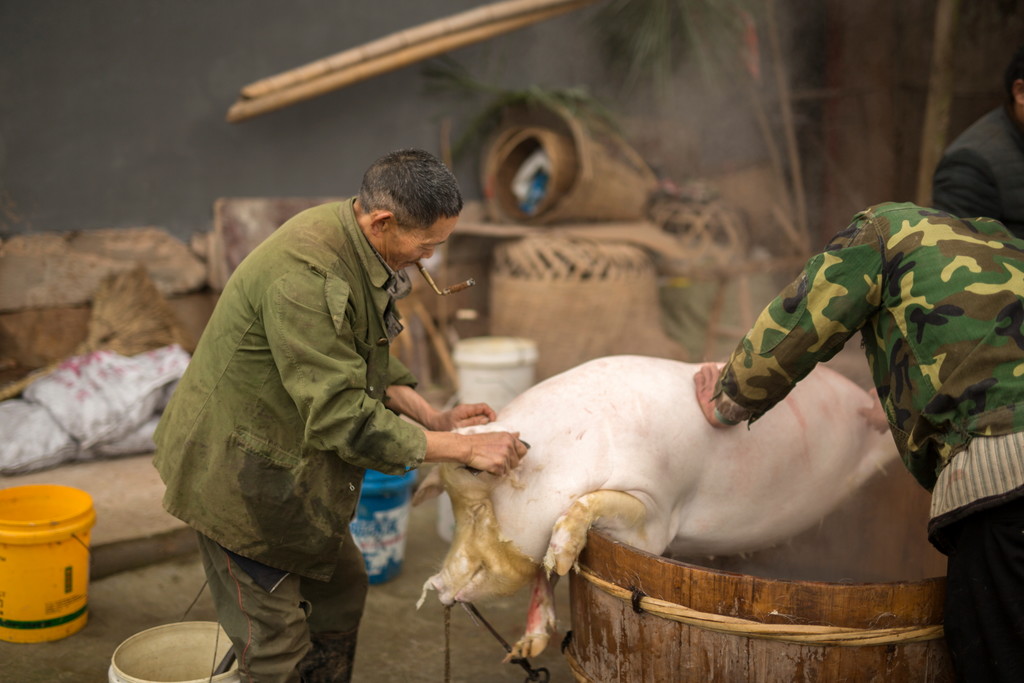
271,630
984,611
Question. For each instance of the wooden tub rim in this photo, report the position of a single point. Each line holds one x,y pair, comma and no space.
816,632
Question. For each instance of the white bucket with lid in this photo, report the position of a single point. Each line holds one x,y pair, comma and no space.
492,370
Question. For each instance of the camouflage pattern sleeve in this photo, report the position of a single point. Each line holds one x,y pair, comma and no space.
809,321
940,302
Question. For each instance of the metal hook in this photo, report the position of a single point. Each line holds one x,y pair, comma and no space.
541,675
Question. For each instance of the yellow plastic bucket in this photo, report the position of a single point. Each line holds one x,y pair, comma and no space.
44,562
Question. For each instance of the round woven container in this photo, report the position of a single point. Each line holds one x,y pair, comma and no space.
577,300
595,174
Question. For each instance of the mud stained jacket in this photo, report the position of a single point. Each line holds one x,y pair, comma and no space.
265,441
940,304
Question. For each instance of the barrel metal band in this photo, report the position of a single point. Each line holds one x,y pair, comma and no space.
793,633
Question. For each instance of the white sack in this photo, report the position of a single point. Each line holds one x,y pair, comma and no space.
139,441
32,439
103,396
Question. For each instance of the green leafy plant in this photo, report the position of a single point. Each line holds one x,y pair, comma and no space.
447,75
648,39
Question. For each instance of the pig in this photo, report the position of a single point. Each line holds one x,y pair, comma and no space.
620,444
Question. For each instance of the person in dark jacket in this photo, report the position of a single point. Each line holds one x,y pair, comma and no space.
982,172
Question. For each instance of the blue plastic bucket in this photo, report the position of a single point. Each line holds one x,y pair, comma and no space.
382,521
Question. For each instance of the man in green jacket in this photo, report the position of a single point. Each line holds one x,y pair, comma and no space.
290,396
939,303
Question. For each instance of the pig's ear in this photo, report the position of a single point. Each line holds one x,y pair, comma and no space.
429,487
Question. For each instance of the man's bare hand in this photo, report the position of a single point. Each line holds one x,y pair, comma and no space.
467,415
875,414
704,381
494,452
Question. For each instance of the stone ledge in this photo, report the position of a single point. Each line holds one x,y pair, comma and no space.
53,269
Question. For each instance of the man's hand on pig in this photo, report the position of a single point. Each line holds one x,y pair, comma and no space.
405,400
466,415
704,381
494,452
875,414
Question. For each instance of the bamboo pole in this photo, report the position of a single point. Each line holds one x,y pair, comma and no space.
789,126
400,40
940,97
247,108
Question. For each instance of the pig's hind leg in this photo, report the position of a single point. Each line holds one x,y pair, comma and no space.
540,618
569,535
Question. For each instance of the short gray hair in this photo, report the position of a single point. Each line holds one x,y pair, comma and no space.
413,185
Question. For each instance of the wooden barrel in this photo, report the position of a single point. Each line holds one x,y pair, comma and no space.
642,617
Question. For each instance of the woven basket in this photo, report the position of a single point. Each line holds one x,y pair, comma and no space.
595,174
577,300
711,232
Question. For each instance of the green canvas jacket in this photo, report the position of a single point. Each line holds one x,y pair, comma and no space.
946,351
266,438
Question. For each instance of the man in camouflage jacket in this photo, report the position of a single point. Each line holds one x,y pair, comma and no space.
290,396
939,302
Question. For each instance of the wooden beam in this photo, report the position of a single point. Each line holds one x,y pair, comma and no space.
318,78
400,40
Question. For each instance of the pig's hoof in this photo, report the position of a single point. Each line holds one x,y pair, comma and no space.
530,645
562,552
559,562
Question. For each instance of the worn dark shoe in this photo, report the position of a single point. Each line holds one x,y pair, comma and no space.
331,659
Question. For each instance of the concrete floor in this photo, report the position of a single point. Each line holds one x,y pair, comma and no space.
146,573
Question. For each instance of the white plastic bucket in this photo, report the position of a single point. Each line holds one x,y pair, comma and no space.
492,370
185,652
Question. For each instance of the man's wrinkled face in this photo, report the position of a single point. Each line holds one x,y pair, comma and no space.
402,247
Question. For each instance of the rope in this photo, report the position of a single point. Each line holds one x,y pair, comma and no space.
194,601
792,633
447,644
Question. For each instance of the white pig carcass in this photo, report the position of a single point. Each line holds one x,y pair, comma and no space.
619,443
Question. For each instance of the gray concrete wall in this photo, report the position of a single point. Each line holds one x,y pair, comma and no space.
112,112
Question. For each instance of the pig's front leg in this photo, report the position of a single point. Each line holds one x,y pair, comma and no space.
540,618
569,534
